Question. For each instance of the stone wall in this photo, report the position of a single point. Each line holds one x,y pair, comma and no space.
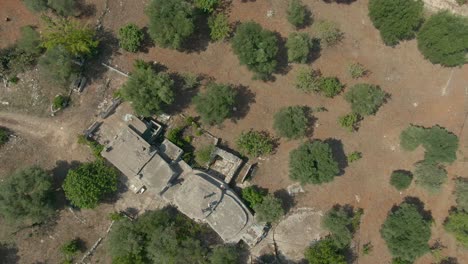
436,5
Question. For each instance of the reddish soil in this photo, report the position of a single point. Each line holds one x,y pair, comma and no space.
416,87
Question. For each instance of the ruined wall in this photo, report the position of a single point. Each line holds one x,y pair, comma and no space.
436,5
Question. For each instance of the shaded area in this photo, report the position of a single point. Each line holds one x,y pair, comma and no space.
347,2
426,214
283,66
338,154
8,254
287,201
244,98
200,39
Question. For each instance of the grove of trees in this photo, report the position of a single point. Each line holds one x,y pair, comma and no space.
256,48
216,104
313,162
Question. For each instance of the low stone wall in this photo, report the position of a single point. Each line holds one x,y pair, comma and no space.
451,5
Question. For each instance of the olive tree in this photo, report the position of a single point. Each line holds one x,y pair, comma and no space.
56,65
457,224
130,37
461,193
325,251
254,143
430,176
313,162
269,210
299,46
256,48
225,255
171,22
291,122
297,13
365,99
401,179
219,27
215,105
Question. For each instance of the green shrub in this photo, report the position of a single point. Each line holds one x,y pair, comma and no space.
401,179
328,33
254,143
191,81
349,121
291,122
325,251
130,37
203,155
356,70
64,7
26,197
88,184
330,86
269,210
175,136
396,19
457,224
308,80
365,99
59,102
430,176
215,105
253,195
56,66
297,13
95,147
219,27
256,48
206,5
299,46
225,254
36,5
461,193
313,162
30,41
4,136
338,221
148,92
406,232
443,39
412,137
70,248
171,22
354,156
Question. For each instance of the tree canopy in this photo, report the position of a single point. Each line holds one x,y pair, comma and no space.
406,232
457,224
130,37
88,184
225,255
325,251
365,99
291,122
56,65
64,7
149,92
430,176
256,48
171,22
219,27
36,5
215,105
339,222
254,143
297,13
396,19
269,210
313,162
299,46
79,40
401,179
461,193
443,39
26,196
253,195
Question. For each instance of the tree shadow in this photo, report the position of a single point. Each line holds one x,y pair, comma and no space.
244,98
8,254
415,201
147,42
347,2
311,120
287,200
86,10
338,154
59,173
200,39
449,260
183,97
283,66
108,46
315,51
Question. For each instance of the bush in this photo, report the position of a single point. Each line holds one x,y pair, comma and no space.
130,37
313,162
430,176
443,39
26,197
308,80
330,86
461,193
254,143
401,180
338,221
206,5
175,136
190,81
219,27
440,144
88,184
203,155
30,41
349,121
56,66
59,102
328,33
354,156
4,136
457,224
325,251
291,122
36,5
216,103
299,46
225,255
253,195
406,232
171,22
365,99
256,48
396,19
356,70
95,147
79,40
64,7
148,92
297,13
269,210
70,248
